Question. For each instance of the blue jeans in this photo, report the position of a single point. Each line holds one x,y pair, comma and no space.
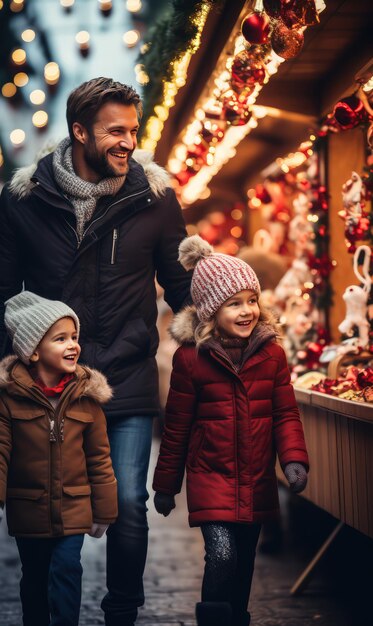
51,580
127,540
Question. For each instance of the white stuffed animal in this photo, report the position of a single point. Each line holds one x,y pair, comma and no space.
356,299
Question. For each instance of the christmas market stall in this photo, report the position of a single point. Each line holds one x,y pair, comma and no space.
264,122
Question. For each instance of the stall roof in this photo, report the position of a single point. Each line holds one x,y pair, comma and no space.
303,90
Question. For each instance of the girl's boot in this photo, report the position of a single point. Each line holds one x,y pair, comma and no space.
214,614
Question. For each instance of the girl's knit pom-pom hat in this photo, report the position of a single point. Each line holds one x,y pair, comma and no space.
193,249
216,277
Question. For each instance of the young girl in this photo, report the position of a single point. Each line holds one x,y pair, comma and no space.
56,475
231,407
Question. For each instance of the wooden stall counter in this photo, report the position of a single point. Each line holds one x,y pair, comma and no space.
339,436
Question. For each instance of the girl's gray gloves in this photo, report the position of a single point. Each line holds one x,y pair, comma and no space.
164,503
1,511
296,475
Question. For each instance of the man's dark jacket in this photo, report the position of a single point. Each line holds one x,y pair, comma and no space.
109,278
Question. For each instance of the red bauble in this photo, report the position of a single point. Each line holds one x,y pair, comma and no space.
273,7
247,71
255,28
235,112
262,193
297,13
349,112
287,43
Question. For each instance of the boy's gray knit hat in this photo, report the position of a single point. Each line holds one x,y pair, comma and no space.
28,318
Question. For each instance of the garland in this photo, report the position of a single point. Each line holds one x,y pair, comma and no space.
172,37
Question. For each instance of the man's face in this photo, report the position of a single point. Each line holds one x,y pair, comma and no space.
111,140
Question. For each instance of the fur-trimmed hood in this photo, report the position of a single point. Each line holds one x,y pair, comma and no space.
21,183
94,384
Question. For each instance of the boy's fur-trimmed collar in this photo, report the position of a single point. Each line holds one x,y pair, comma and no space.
95,385
21,183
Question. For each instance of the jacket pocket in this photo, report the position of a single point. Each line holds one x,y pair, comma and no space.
80,416
76,507
27,414
77,490
27,511
197,443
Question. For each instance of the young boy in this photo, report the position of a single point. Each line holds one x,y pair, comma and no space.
55,469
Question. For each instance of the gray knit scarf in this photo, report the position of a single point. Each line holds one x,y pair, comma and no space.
82,194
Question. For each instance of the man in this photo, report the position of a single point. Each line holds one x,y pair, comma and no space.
90,226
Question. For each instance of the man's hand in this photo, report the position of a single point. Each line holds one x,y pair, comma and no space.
164,503
296,475
98,530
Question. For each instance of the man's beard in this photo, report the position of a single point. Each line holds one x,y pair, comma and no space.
99,162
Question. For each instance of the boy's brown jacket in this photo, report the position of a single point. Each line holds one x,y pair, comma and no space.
54,488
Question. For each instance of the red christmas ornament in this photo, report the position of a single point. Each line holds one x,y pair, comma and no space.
246,73
262,193
259,52
349,112
297,13
255,27
235,112
314,351
365,377
287,43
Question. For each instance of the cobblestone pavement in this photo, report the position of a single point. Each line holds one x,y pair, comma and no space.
338,594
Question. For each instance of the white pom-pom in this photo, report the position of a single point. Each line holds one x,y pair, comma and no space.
193,249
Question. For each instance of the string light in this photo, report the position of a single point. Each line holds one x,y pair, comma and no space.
28,35
9,90
16,6
40,119
67,5
17,136
133,5
37,96
236,214
82,39
180,69
105,7
131,38
21,79
19,56
52,73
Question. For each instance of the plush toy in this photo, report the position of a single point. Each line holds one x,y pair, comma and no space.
356,299
352,195
293,280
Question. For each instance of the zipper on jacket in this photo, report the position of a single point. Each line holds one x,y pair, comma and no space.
114,246
80,239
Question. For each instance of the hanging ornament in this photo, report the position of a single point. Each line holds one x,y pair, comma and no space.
296,13
246,73
273,8
349,112
286,42
235,112
259,52
255,28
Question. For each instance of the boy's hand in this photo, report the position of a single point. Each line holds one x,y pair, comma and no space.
164,503
296,475
98,530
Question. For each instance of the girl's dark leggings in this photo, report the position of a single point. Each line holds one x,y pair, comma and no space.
229,563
